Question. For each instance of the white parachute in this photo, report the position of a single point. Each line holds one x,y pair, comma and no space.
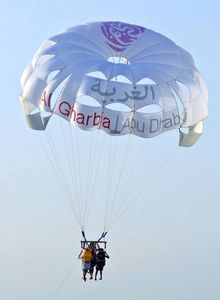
123,79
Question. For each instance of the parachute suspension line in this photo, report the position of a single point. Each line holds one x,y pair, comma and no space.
79,172
62,175
159,170
87,183
53,296
134,179
54,166
121,172
120,176
69,166
112,174
73,168
59,172
90,177
92,167
145,187
114,186
138,167
107,187
111,165
109,158
97,164
59,168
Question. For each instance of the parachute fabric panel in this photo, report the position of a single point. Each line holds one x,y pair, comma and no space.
87,48
35,120
189,139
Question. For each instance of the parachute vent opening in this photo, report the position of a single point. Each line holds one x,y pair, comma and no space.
121,78
37,110
119,60
88,100
96,74
146,81
39,60
119,107
45,114
185,91
51,98
52,75
47,44
150,109
185,130
34,111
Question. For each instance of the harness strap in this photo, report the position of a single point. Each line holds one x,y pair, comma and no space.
102,236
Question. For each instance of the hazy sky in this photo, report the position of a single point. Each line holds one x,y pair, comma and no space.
167,246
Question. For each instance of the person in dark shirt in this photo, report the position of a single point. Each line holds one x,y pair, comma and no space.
101,255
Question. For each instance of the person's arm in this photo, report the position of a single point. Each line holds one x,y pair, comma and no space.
106,255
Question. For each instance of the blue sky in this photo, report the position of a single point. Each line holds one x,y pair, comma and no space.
167,245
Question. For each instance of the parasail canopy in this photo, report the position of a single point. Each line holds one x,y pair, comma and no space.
135,81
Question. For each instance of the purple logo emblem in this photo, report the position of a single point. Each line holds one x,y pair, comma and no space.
121,35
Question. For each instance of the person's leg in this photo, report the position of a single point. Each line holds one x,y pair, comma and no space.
84,275
96,273
100,275
91,270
